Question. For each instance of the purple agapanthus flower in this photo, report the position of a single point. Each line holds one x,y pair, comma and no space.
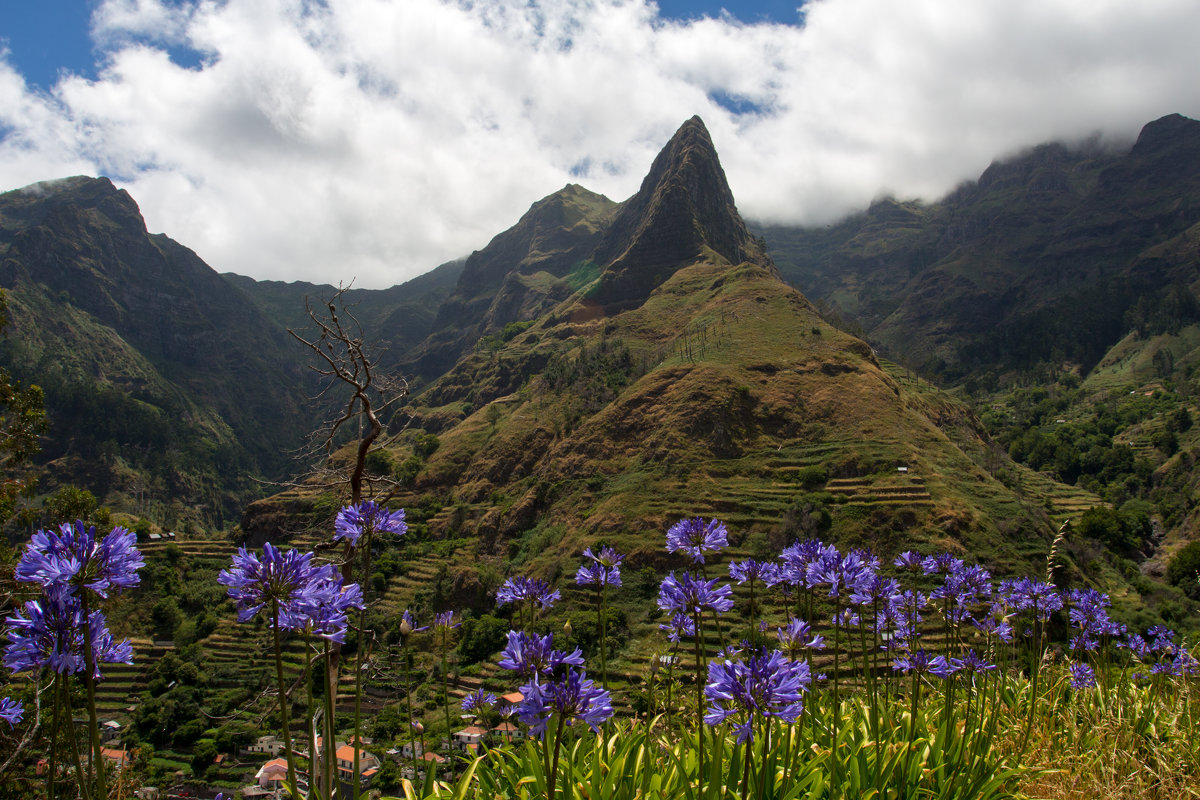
520,589
75,557
478,701
1082,676
690,594
530,655
600,569
909,560
752,570
368,517
408,625
848,574
11,711
328,603
922,663
50,632
571,697
901,617
678,626
941,562
797,636
443,623
284,581
795,560
695,537
765,685
874,590
1030,594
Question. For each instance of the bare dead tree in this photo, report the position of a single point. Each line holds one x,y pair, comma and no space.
346,363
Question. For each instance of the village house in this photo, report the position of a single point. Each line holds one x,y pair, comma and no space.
115,758
469,738
368,764
269,745
272,775
110,730
508,732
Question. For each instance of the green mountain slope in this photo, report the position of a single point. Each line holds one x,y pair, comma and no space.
161,379
1036,262
404,313
707,386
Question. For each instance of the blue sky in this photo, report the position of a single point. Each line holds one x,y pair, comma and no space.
376,139
46,37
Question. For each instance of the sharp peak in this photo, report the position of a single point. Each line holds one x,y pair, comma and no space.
683,211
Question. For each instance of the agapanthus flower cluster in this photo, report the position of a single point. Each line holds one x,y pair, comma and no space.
75,557
571,697
795,560
50,632
910,561
844,575
284,582
691,594
678,626
1082,676
798,635
1089,616
941,563
1041,599
972,663
961,590
68,564
530,655
751,570
477,702
922,663
901,617
11,711
765,685
444,623
600,569
367,517
408,626
520,589
329,603
695,537
874,590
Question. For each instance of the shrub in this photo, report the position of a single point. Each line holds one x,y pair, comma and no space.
1184,568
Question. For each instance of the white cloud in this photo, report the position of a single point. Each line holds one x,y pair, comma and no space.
378,138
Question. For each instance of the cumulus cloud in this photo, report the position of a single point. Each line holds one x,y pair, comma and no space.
376,139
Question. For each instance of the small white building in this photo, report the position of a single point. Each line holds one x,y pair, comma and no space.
267,745
469,738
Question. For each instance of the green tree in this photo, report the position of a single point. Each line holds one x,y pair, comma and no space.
70,503
203,754
480,638
1184,569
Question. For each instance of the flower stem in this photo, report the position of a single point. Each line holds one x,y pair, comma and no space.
330,745
554,766
283,698
412,731
80,776
89,682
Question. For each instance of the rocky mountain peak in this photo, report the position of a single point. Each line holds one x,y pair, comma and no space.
683,210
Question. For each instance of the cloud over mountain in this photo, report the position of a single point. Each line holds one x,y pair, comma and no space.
376,139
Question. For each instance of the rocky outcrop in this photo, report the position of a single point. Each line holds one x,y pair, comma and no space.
683,210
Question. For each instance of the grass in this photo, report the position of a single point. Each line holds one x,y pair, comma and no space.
1119,740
